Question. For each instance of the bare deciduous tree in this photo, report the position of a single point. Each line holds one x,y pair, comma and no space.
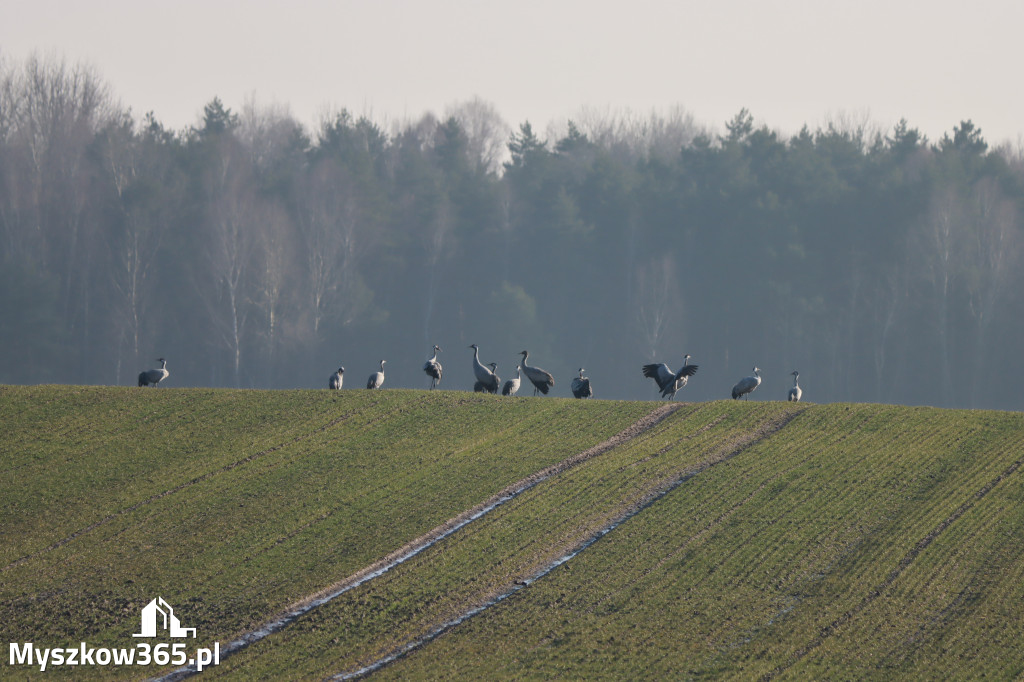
230,240
269,134
271,277
938,246
50,113
134,241
992,251
486,131
332,242
638,135
437,239
656,301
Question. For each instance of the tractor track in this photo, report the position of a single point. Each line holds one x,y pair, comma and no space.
647,497
432,537
904,563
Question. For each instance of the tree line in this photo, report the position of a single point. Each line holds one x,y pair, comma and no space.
251,251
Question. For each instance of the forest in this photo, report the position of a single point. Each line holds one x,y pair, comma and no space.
251,251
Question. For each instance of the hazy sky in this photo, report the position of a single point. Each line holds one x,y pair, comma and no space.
789,62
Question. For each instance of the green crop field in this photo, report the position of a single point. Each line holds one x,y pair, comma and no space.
601,539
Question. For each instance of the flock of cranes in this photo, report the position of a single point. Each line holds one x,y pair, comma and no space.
487,380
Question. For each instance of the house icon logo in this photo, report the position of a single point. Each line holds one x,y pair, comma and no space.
170,622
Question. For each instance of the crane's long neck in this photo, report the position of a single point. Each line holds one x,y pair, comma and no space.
163,364
796,380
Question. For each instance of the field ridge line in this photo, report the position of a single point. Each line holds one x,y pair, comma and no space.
178,488
433,536
904,563
726,452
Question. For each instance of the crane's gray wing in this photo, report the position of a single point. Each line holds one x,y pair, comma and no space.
744,386
660,372
685,371
540,378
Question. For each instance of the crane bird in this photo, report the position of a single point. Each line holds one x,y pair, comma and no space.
746,385
479,387
668,381
376,379
512,385
542,381
581,387
796,392
433,369
485,378
334,383
153,377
